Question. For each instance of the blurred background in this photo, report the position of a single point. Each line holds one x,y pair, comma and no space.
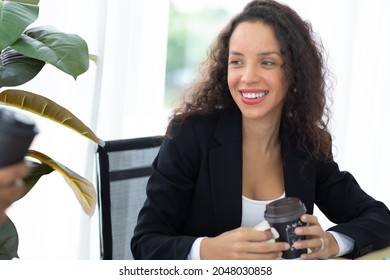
147,52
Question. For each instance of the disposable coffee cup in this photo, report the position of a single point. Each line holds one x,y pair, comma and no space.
283,215
16,135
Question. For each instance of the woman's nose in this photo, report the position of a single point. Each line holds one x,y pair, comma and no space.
251,74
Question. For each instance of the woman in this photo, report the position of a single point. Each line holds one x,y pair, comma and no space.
254,129
11,185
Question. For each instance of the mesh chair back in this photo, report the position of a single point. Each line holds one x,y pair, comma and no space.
123,169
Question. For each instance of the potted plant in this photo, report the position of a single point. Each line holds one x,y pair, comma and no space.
24,52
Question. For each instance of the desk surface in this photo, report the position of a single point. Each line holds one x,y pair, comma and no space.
377,255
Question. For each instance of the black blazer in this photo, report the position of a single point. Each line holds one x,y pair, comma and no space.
196,190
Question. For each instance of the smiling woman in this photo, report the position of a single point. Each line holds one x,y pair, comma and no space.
128,85
357,25
249,128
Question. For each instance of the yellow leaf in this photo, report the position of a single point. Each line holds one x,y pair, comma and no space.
47,108
83,189
94,58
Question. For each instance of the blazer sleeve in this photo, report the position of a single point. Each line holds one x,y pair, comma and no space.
158,233
357,214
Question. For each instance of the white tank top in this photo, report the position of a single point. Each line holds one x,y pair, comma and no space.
253,210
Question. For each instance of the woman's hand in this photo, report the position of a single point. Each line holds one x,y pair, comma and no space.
11,185
322,244
243,243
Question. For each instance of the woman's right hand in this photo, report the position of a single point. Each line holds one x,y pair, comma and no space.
242,243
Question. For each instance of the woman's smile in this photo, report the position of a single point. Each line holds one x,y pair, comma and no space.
253,97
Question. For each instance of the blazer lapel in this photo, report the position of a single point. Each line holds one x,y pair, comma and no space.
225,163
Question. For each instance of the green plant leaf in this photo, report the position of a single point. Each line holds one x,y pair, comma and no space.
9,240
47,108
33,2
17,69
82,188
15,16
67,52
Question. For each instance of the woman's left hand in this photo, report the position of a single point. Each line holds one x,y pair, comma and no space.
11,185
322,244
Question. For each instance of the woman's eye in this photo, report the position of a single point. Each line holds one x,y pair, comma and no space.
268,64
235,62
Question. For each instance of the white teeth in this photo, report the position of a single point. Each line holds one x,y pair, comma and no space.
253,95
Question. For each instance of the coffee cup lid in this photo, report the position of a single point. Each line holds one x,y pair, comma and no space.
284,210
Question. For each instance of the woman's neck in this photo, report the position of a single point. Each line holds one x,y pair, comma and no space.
262,135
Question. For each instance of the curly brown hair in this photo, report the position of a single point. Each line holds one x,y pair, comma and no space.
305,112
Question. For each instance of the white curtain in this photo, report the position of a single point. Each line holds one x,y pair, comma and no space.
122,96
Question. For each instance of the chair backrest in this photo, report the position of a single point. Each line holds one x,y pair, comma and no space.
123,169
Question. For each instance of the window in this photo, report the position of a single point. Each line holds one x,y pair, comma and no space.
192,28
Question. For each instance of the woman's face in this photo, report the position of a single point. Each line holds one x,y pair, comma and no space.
255,74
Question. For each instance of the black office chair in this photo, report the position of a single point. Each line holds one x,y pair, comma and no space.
123,169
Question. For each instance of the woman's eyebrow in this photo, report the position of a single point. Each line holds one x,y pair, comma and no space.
259,54
269,53
235,53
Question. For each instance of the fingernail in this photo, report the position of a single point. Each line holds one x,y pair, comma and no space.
298,230
286,246
19,183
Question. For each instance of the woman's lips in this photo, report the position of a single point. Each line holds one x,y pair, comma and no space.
250,97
